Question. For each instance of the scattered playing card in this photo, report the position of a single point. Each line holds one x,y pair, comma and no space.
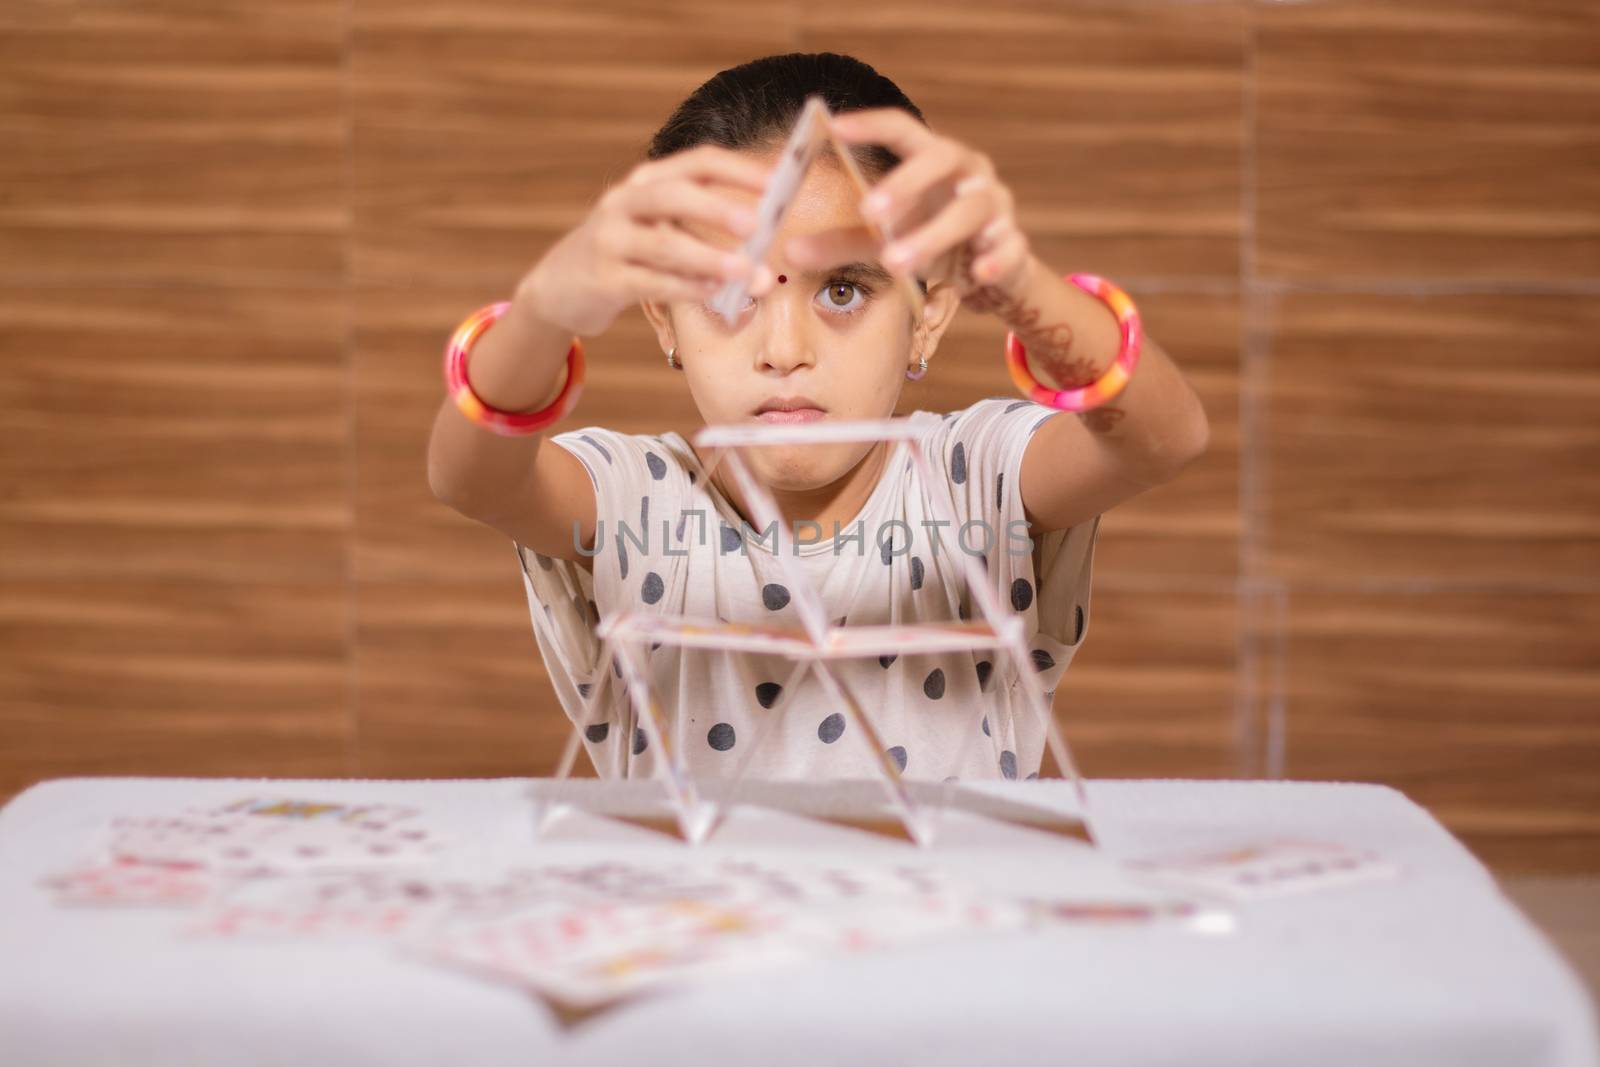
374,903
638,931
1266,868
136,884
277,835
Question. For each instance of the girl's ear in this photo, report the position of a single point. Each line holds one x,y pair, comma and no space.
939,310
660,319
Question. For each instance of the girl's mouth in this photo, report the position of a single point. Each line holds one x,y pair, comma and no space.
797,415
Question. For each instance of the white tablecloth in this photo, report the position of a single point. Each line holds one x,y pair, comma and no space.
1436,967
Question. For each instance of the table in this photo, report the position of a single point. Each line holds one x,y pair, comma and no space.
1434,968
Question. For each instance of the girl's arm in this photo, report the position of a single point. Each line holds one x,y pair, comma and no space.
1078,467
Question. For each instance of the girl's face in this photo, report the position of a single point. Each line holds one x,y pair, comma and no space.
842,337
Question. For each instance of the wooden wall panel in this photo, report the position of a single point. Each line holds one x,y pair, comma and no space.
185,141
1429,139
1461,427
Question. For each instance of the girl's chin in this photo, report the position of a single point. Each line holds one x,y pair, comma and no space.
796,468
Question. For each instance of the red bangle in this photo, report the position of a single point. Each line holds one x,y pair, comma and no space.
505,423
1108,384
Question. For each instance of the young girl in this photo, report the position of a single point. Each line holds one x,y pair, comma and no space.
607,521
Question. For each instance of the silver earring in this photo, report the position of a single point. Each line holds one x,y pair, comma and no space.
672,359
922,368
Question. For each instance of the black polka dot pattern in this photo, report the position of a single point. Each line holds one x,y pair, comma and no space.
831,729
598,447
730,538
775,597
544,561
767,694
598,732
1014,405
916,572
1077,623
657,465
884,661
1008,764
986,726
1042,660
985,671
640,742
1021,594
585,688
720,737
652,588
1000,492
958,464
1033,777
898,754
933,684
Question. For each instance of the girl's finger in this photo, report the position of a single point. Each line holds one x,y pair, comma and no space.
1000,260
906,185
704,163
960,219
680,198
893,127
647,284
663,247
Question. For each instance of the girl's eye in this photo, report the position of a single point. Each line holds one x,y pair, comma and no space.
839,296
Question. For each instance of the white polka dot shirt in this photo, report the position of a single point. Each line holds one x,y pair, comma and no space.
669,542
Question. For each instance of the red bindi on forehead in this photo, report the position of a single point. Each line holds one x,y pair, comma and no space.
782,278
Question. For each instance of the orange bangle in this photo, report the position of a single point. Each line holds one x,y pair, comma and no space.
1108,384
505,423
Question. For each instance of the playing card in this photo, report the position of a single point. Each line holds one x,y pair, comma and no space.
806,139
367,903
742,916
1266,868
128,883
260,835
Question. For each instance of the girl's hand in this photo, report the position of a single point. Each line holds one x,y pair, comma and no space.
632,245
951,217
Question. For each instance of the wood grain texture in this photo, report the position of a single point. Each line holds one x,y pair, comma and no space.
1441,438
143,676
1440,139
173,432
184,141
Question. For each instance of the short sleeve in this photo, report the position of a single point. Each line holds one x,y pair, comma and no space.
640,492
980,449
638,483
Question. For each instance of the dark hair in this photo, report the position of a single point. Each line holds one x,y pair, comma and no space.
754,105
